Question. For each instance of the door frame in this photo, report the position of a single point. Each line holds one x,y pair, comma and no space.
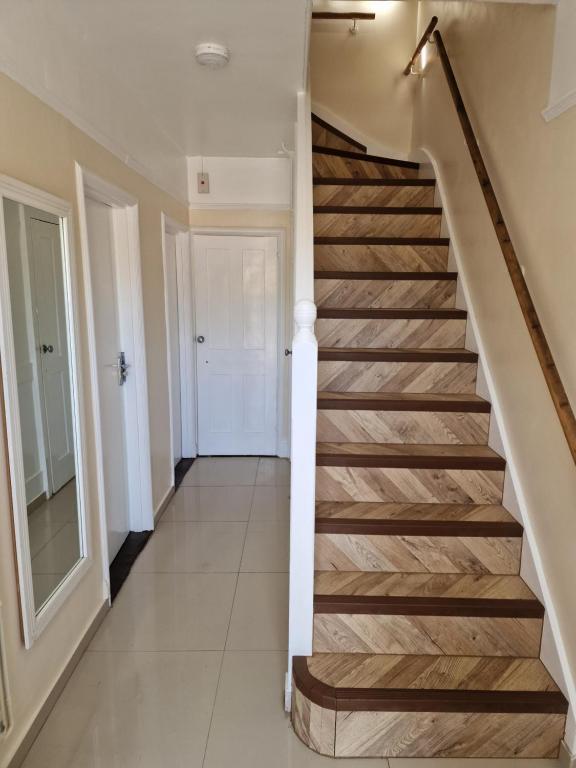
129,273
282,440
186,334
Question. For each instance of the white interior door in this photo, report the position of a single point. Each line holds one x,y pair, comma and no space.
52,345
99,224
237,344
171,274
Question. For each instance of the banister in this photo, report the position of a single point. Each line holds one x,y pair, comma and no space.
420,47
543,352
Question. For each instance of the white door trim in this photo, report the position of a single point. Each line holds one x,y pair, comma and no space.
280,235
138,447
186,338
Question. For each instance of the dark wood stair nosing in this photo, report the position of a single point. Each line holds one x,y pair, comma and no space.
365,181
394,605
428,528
370,461
390,313
369,240
423,700
337,132
379,210
319,150
340,274
428,406
396,355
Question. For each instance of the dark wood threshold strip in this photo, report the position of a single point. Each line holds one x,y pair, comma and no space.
346,181
331,274
408,461
380,210
411,313
365,158
350,16
395,527
422,700
337,132
325,240
398,355
392,605
377,404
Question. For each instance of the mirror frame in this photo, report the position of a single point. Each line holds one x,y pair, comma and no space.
34,622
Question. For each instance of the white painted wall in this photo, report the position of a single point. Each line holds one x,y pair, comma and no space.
563,78
242,182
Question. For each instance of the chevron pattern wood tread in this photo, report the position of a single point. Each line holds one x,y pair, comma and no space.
425,637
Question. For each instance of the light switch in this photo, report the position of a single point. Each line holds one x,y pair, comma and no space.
203,183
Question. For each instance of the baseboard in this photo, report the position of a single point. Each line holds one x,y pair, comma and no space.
566,758
164,504
42,715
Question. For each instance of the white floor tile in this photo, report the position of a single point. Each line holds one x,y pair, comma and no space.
224,471
271,504
192,548
169,612
250,728
210,504
267,547
60,553
273,472
131,710
260,614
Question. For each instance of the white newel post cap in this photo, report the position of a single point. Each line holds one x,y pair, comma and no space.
305,314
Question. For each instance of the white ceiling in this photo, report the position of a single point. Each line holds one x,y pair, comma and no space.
127,69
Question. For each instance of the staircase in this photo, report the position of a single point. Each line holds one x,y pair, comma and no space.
426,639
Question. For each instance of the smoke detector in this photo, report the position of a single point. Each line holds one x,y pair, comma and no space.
212,55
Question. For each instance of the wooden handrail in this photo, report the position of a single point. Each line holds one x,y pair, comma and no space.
353,15
545,357
423,40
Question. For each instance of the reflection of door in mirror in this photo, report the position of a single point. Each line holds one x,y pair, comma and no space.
39,324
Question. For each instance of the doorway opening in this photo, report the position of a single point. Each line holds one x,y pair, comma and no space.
115,314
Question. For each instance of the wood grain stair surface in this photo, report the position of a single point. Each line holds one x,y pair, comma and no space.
408,313
398,355
381,401
321,127
409,276
411,456
368,240
347,181
379,210
424,512
350,155
376,682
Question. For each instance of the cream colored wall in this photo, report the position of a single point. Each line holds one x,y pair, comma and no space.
38,146
502,56
358,77
262,219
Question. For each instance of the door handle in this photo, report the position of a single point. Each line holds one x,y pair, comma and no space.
122,368
200,339
47,348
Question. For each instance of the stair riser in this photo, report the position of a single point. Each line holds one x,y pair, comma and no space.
451,486
348,168
449,734
358,294
376,225
442,428
386,258
413,334
425,734
431,635
323,138
416,378
411,196
417,554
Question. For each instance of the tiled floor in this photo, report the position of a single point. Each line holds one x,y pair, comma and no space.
188,668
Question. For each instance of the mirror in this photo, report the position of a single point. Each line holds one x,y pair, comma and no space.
41,404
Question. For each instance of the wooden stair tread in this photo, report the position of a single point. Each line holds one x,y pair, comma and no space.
319,150
421,585
398,355
362,181
461,607
345,275
410,455
378,240
410,313
376,210
383,401
391,512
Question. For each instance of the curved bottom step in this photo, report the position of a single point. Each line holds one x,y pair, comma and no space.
521,713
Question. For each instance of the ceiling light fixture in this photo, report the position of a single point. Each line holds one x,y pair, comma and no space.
212,55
